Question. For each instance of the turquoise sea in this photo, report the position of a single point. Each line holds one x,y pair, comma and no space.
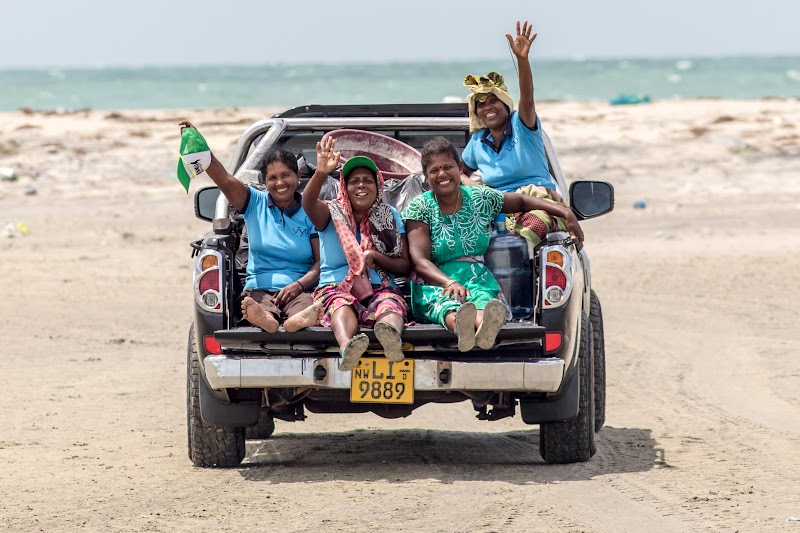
291,85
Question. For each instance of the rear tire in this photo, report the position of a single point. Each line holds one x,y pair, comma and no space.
209,446
572,441
263,429
599,349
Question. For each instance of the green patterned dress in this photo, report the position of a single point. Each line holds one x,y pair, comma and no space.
456,240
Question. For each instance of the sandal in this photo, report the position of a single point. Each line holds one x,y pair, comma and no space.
465,326
390,340
353,351
494,316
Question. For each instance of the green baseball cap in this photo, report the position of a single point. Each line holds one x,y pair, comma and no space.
359,161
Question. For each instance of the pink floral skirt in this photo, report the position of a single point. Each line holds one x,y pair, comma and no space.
383,300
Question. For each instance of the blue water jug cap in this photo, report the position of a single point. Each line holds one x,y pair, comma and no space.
500,218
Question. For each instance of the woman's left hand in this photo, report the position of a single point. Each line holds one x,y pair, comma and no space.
521,45
288,293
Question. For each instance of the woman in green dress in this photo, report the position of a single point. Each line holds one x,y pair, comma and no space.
448,229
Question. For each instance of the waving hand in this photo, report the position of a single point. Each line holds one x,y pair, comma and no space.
521,45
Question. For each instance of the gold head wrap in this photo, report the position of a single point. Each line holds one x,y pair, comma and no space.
482,87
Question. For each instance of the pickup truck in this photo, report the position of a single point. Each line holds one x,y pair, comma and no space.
549,366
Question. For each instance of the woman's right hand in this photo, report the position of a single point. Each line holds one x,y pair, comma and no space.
327,159
456,291
572,225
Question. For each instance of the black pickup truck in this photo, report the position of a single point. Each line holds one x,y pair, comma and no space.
549,365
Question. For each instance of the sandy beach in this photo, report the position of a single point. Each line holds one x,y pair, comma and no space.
698,291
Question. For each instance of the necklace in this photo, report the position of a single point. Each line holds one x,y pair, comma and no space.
458,204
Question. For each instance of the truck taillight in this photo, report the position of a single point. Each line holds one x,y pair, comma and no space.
557,274
555,277
208,280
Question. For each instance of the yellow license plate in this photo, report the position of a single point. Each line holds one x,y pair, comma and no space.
382,381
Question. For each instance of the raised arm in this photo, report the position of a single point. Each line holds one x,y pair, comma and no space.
518,203
521,47
233,189
327,160
419,244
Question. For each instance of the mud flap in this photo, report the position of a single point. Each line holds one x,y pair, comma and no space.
564,407
219,413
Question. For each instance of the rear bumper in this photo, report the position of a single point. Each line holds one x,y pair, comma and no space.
542,375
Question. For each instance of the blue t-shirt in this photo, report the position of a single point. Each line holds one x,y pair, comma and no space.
280,242
520,161
333,263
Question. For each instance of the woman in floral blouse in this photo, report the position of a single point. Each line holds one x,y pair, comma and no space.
449,228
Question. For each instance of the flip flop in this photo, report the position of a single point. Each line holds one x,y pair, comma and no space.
390,340
494,316
353,351
465,326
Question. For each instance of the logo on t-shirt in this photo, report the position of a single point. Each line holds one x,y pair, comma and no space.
302,232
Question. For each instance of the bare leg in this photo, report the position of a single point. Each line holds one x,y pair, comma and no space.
304,319
257,316
344,324
388,328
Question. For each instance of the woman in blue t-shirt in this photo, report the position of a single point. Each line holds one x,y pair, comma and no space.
283,254
507,145
362,244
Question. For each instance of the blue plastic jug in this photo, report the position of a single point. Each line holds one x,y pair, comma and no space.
508,259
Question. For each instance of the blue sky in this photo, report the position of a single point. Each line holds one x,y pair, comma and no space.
93,33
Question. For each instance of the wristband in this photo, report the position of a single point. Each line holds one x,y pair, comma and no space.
301,285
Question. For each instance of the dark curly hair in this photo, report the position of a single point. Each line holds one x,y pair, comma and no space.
436,146
281,155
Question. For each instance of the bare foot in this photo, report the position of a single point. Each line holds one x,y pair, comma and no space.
304,319
255,314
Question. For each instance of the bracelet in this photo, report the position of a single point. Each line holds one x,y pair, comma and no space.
449,283
301,285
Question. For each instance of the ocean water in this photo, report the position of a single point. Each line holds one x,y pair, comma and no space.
293,85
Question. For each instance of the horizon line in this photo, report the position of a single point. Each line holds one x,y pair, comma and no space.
576,58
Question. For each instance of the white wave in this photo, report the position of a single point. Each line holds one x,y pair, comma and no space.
684,64
674,78
793,74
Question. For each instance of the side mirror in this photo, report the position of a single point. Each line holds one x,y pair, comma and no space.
591,198
205,203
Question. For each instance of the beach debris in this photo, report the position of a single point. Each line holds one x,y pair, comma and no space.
630,99
722,119
639,204
30,190
15,230
793,519
738,146
7,174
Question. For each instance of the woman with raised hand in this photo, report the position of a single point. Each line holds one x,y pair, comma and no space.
283,255
362,245
449,228
507,145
